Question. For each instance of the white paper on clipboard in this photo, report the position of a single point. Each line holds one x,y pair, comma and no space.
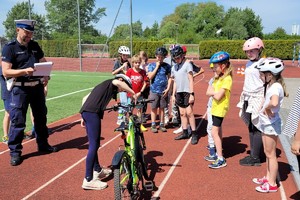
42,69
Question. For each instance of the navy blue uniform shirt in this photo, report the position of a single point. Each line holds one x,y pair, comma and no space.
22,57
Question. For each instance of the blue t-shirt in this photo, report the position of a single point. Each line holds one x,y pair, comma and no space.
160,81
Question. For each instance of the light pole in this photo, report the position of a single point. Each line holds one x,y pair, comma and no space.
176,32
29,10
79,38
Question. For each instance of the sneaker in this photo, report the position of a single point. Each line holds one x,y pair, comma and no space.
154,129
250,161
166,119
260,181
5,139
218,164
162,128
105,172
211,158
266,187
94,184
179,130
194,140
175,121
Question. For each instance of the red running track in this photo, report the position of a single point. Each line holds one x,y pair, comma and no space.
177,168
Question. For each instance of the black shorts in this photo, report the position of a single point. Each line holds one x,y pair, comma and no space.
217,121
182,99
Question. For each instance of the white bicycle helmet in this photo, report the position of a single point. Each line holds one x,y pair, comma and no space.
273,65
124,50
126,79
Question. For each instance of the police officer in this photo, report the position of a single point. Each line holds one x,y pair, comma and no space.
18,58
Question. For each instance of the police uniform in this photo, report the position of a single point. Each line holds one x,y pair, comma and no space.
26,90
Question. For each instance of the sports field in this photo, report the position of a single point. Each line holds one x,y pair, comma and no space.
177,168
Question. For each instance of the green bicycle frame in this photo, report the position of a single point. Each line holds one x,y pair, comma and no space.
130,149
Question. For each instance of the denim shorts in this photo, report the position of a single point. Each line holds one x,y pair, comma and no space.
272,129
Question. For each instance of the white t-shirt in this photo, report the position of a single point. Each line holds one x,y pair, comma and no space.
274,89
252,83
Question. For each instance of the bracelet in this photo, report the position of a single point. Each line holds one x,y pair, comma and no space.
192,93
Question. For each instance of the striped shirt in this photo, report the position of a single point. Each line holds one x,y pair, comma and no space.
293,118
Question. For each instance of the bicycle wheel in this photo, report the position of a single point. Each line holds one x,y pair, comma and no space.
140,158
122,179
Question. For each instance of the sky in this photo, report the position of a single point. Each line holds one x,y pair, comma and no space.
273,13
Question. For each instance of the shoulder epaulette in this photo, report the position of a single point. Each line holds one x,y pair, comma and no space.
11,42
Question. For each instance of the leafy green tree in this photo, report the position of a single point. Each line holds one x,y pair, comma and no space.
278,34
21,11
63,15
235,29
123,31
241,24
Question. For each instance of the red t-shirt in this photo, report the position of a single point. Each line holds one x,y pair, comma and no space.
137,79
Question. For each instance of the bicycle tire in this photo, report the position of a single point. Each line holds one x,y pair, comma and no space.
122,179
140,157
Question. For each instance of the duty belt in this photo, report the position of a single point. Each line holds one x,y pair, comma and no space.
29,84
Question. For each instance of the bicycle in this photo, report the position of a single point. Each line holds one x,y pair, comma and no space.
129,167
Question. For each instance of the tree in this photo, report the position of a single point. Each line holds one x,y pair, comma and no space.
63,15
234,29
123,31
20,11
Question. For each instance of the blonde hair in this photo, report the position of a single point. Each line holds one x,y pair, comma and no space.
136,58
280,80
228,67
144,54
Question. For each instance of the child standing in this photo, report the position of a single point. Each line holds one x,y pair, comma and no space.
138,79
250,101
269,119
183,93
159,75
212,156
121,66
220,92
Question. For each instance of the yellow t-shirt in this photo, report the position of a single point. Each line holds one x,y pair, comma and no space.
220,108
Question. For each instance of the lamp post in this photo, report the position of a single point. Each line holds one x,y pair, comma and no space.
79,38
176,32
29,10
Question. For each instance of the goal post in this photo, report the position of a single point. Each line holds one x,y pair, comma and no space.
94,51
192,50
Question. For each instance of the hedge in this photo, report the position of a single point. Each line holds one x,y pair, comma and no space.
273,48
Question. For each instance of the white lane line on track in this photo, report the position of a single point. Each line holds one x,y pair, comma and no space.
57,97
2,152
65,171
163,183
281,188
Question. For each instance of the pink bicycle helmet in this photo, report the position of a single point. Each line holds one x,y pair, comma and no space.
253,43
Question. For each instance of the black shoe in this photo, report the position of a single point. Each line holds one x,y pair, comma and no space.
47,149
182,137
15,160
194,139
250,161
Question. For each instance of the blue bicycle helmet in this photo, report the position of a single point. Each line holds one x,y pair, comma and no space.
219,57
161,51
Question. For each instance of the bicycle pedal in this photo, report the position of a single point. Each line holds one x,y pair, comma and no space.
148,185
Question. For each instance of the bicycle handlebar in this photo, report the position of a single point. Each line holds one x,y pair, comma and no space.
131,105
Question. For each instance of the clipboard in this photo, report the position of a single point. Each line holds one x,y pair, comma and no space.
42,69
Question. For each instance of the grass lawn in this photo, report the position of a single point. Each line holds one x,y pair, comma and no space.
65,93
